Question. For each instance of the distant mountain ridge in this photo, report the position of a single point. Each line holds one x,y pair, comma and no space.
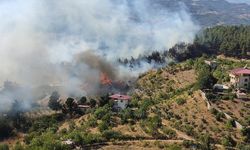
211,12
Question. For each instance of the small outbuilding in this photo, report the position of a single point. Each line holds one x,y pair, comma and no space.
120,101
213,64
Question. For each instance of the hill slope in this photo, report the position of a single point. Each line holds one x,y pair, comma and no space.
211,12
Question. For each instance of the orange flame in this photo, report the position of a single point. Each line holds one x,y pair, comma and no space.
104,79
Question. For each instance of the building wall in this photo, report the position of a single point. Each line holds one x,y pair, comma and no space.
122,104
240,81
233,79
244,82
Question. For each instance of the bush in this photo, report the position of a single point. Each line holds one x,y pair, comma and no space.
231,123
110,134
152,124
4,147
104,100
205,79
92,103
43,123
172,63
103,126
188,143
219,116
101,111
92,122
47,140
18,146
206,142
5,129
53,101
169,132
173,147
189,130
180,101
125,115
214,111
228,141
246,133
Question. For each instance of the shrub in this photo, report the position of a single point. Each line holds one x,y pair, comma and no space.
76,137
102,111
214,111
92,122
47,140
173,147
82,100
103,126
205,142
230,123
189,129
18,146
172,63
5,129
219,116
180,101
246,133
43,123
53,101
104,100
92,138
169,132
92,103
188,143
125,115
205,79
110,134
228,141
4,147
152,124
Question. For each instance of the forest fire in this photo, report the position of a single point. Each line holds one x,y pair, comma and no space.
108,85
105,80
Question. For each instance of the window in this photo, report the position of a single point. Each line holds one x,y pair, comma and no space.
246,80
121,101
245,85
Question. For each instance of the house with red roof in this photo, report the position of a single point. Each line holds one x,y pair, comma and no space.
240,78
120,101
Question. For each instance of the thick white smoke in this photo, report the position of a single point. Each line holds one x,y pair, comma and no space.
40,39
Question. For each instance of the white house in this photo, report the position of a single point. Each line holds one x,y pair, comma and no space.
120,101
240,78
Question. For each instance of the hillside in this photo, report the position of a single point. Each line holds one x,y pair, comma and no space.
211,12
167,110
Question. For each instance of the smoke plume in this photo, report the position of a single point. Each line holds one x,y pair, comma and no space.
70,42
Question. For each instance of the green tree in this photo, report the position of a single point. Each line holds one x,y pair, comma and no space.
92,103
205,79
53,101
82,100
71,105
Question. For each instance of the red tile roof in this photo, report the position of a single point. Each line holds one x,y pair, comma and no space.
119,96
240,71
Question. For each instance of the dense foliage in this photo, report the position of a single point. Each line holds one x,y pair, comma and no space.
228,40
231,41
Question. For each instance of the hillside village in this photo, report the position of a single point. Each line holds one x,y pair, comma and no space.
202,103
